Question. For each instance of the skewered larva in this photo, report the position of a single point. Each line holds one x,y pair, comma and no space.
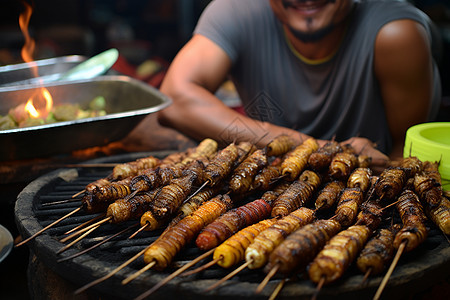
413,218
173,158
329,195
321,159
360,178
163,250
232,250
297,159
440,215
378,251
244,150
267,176
206,148
277,190
243,175
187,208
431,169
428,189
390,183
364,161
150,222
342,164
171,196
337,255
221,165
198,199
102,196
371,213
297,194
114,190
128,169
348,206
347,147
300,247
152,178
129,209
97,184
280,145
258,252
231,222
412,165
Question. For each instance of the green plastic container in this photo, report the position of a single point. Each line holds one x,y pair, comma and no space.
431,142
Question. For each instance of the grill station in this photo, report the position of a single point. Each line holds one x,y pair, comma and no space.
416,271
33,152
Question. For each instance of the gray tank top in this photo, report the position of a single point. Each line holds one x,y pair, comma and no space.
336,98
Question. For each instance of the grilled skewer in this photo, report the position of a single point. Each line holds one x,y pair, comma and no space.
412,233
321,159
257,253
300,247
297,194
296,160
378,251
338,254
164,249
280,145
231,222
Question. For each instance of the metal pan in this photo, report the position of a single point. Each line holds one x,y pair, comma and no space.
50,68
128,101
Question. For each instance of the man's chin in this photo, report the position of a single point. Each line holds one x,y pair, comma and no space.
311,37
297,3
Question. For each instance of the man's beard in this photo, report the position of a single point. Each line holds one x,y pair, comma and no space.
287,3
310,37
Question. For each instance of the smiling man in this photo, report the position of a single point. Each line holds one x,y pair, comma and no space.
359,71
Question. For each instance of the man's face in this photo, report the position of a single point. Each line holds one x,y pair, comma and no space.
310,20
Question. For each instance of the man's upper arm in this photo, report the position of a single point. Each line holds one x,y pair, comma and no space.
199,62
403,66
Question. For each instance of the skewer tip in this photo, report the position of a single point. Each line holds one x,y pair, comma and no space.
318,288
47,227
269,275
139,230
138,273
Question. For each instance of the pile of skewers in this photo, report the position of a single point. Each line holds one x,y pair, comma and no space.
285,209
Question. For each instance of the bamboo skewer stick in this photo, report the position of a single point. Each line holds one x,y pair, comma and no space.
48,226
230,275
277,289
98,165
110,274
78,194
269,275
98,244
204,267
139,230
60,202
366,276
196,192
84,230
76,240
318,288
138,273
176,273
389,205
84,224
386,277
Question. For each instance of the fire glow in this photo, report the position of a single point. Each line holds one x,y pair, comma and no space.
37,106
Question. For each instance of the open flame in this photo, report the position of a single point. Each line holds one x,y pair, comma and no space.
41,104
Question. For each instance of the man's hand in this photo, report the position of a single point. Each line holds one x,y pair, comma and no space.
364,146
